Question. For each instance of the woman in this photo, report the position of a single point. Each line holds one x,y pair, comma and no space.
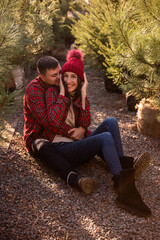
69,110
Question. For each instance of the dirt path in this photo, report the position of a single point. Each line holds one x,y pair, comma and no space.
37,204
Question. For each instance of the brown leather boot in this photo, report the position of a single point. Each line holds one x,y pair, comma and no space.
87,184
139,165
127,195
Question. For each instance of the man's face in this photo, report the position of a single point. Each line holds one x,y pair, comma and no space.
52,76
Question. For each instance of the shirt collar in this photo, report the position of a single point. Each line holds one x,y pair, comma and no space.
42,83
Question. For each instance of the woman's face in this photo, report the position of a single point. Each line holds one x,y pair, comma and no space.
71,81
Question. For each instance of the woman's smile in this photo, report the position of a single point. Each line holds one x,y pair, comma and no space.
71,81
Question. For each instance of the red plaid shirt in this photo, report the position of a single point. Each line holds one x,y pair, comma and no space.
39,124
57,109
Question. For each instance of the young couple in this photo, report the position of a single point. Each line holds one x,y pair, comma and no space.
56,121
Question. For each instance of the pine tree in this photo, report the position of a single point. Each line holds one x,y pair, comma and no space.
25,31
92,29
62,21
9,36
29,28
125,36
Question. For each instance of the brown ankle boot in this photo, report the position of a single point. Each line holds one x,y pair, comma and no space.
87,184
126,162
139,165
127,195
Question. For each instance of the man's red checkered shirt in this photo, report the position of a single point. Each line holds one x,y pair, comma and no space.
43,122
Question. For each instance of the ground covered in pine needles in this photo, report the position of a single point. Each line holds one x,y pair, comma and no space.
37,204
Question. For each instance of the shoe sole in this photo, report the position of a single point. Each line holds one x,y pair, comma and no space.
141,164
88,185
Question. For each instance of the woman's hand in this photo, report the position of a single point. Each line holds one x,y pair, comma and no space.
77,133
84,91
62,90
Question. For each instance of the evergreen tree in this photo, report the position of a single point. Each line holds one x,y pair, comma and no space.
29,28
92,29
125,34
25,31
9,36
62,21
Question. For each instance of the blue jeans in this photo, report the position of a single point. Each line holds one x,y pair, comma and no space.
104,141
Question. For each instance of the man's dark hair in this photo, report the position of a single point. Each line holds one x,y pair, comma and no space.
46,62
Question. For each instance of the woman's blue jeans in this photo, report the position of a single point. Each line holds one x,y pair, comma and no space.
104,141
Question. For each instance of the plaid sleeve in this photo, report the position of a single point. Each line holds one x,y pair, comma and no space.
36,103
84,118
57,111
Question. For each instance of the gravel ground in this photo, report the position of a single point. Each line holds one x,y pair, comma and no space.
37,204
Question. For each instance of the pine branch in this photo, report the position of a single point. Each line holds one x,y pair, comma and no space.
3,40
154,16
143,60
6,8
23,4
125,40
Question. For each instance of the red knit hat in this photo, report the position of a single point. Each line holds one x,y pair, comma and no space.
74,63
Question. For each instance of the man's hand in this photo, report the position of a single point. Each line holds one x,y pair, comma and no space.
62,90
77,133
84,91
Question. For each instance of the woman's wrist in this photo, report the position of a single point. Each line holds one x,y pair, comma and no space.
62,93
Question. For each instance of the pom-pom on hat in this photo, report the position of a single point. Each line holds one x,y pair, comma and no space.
74,63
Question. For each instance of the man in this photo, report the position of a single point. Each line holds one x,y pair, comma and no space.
38,132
